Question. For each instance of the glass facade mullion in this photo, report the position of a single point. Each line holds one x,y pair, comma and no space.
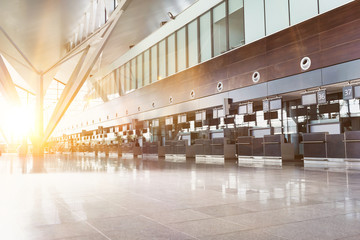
133,74
236,23
171,55
162,60
181,49
139,75
254,17
154,63
146,67
193,46
205,37
277,15
219,26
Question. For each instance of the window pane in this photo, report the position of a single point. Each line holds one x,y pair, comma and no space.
236,23
139,71
326,5
205,37
154,64
127,77
162,59
117,81
122,80
254,20
193,43
112,87
219,28
171,55
133,74
146,68
302,10
277,15
181,49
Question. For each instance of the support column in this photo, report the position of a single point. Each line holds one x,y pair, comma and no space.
38,148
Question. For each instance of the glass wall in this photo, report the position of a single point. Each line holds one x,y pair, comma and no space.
127,77
277,15
220,29
147,67
139,66
228,25
193,43
254,20
133,74
171,60
236,23
122,80
302,10
327,5
205,37
162,60
181,49
154,63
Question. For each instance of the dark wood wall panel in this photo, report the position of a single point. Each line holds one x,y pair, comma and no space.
328,39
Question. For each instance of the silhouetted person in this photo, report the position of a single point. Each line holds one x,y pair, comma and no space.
23,149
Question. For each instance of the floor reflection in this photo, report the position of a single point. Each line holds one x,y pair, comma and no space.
77,196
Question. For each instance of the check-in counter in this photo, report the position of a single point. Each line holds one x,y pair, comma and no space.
272,148
150,149
272,145
180,147
202,147
258,147
244,146
175,150
352,148
332,150
209,151
169,147
217,147
314,149
269,149
127,150
335,149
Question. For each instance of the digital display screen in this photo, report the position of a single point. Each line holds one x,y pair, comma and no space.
221,113
348,92
321,97
198,116
250,108
266,106
357,91
182,118
308,99
215,113
242,109
275,104
155,123
169,121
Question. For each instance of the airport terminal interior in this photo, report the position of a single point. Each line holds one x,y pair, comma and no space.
179,119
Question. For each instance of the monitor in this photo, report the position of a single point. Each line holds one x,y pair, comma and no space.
308,99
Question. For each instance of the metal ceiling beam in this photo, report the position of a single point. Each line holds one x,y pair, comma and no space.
100,91
3,134
74,85
18,49
7,86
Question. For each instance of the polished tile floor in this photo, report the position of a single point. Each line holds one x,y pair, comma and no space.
79,197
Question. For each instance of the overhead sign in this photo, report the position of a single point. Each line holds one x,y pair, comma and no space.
348,92
275,104
321,97
250,108
357,91
309,99
266,105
